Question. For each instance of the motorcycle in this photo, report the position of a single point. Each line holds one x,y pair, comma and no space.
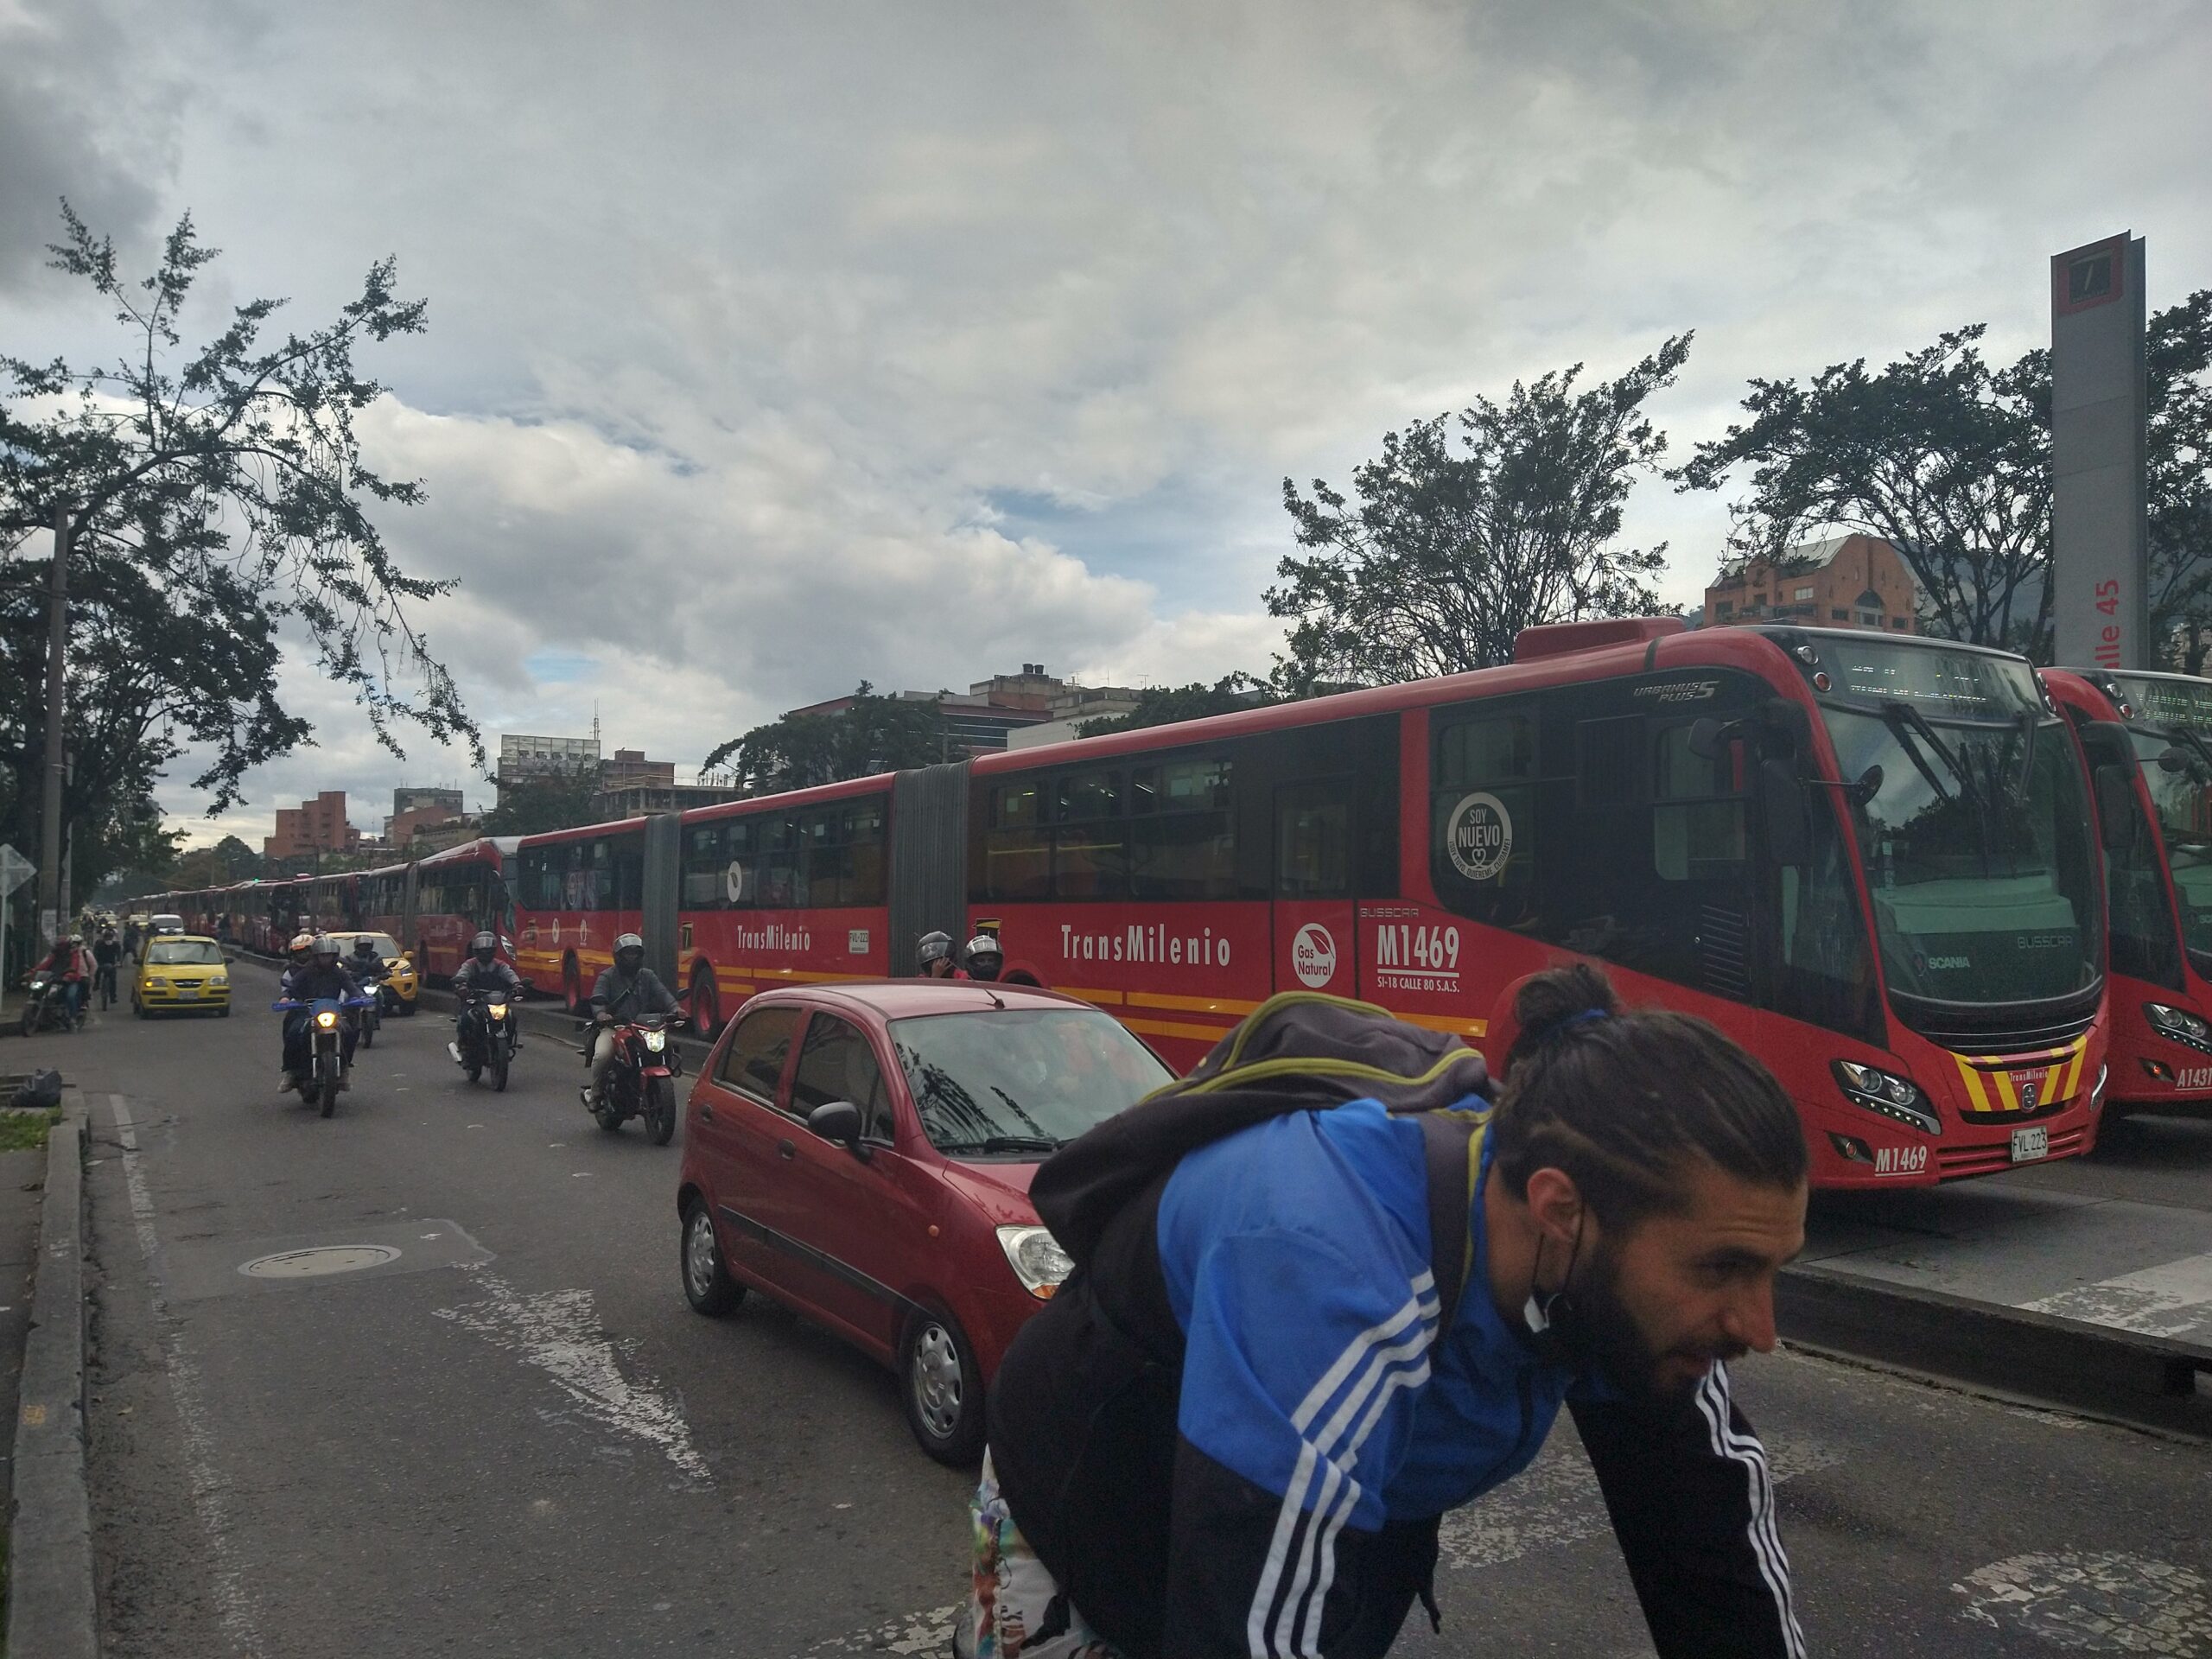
642,1081
371,1018
483,1040
47,1005
325,1035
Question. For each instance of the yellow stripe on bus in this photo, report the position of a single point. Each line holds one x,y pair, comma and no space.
1104,998
1439,1022
1189,1004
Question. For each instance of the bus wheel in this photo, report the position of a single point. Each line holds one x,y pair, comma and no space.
706,1002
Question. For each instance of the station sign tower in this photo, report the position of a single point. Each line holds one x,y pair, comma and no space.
2100,528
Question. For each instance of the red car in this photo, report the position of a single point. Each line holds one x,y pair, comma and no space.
862,1153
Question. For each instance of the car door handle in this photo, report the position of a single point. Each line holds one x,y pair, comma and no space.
785,1149
706,1114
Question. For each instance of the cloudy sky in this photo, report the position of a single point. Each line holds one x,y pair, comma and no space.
774,347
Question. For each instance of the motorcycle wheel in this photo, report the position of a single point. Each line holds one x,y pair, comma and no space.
30,1017
608,1115
660,1111
330,1093
368,1033
500,1061
473,1069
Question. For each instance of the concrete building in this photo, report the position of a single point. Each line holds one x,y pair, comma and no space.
1072,706
409,800
1846,581
629,769
312,827
409,824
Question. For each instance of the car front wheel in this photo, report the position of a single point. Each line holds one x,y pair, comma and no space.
707,1284
941,1388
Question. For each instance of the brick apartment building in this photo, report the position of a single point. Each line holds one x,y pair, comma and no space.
316,826
1846,581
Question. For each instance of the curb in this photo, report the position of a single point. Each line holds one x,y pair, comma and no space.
2143,1381
52,1611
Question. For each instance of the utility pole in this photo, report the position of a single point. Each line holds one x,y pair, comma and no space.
53,899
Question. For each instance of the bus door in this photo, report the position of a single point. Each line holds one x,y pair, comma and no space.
1316,938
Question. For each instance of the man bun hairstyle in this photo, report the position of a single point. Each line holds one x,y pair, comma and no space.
1628,1102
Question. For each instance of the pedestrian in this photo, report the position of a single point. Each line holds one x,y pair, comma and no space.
1235,1426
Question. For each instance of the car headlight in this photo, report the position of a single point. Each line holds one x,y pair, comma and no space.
326,1020
2179,1024
498,1010
154,983
1892,1096
217,981
656,1041
1036,1258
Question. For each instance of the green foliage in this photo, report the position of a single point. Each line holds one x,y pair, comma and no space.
1450,553
872,734
1949,458
556,800
1165,705
219,497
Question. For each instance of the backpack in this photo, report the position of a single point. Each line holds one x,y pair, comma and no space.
1298,1051
40,1091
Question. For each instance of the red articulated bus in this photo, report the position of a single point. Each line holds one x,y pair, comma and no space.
576,891
1870,859
2148,740
453,896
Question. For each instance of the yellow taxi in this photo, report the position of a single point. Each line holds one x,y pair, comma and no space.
181,973
401,982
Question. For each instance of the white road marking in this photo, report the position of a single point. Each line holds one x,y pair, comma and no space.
928,1632
209,1496
2171,1300
1556,1501
559,1333
2094,1603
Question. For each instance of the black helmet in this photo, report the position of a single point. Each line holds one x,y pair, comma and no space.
325,945
483,947
630,952
365,946
984,956
934,947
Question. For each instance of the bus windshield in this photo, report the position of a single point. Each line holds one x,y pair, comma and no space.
2174,715
1975,839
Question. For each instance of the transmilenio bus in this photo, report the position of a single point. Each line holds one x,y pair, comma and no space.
2149,739
1871,859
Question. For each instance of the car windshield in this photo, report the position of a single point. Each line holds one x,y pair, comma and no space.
1975,840
183,953
2170,715
1012,1081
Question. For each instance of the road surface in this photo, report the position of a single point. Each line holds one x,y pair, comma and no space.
514,1438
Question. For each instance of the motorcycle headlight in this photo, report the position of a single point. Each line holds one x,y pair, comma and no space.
326,1020
1036,1258
656,1041
1892,1096
498,1010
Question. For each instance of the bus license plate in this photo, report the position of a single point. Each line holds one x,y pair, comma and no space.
2029,1145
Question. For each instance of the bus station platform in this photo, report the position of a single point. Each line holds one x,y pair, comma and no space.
2085,1282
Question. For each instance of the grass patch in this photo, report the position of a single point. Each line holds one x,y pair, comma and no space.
26,1131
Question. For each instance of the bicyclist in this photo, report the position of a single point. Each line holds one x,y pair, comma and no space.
1234,1430
107,952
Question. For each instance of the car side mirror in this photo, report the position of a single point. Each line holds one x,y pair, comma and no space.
2174,759
839,1122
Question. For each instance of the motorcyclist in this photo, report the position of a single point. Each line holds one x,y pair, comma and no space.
107,952
67,966
985,959
484,971
625,991
935,955
302,952
366,963
321,975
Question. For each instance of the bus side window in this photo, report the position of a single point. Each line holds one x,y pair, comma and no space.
1089,845
1483,840
705,878
1017,849
1182,835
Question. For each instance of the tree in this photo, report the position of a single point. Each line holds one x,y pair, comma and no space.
1949,459
219,497
871,733
554,800
1449,555
1165,705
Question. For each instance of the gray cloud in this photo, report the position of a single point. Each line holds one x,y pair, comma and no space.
774,347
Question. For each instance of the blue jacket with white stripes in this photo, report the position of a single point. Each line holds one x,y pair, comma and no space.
1237,1430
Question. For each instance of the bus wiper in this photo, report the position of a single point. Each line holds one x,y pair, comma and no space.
2028,725
1898,715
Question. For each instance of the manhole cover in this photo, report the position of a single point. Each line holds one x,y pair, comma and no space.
329,1258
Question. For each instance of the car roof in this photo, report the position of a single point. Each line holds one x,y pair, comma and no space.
184,939
903,999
